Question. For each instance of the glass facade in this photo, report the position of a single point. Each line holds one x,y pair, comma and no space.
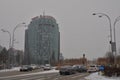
42,41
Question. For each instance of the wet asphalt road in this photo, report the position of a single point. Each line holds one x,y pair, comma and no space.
16,75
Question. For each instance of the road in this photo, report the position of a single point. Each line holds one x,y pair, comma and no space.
46,76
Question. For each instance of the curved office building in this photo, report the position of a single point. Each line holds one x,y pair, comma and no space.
42,41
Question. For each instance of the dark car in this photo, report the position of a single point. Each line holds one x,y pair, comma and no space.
26,68
80,68
66,70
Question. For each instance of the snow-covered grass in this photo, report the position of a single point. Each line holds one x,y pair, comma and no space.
13,69
42,72
18,68
96,76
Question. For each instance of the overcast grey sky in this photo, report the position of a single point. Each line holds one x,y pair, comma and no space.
81,32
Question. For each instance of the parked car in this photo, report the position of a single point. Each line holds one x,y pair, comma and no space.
34,66
80,68
47,67
26,68
66,70
93,68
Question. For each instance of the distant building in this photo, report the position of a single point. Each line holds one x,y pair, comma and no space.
103,61
74,61
42,41
15,57
19,57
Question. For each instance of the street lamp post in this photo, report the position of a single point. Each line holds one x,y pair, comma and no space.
113,44
9,36
116,20
12,45
100,15
11,42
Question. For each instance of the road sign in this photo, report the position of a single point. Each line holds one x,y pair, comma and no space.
113,44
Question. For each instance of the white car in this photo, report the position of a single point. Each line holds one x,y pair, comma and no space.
34,66
47,67
92,68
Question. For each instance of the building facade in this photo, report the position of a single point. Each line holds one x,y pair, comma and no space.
42,41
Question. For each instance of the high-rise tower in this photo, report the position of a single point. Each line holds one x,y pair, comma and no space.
42,41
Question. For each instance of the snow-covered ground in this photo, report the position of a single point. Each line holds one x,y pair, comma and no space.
13,69
17,68
96,76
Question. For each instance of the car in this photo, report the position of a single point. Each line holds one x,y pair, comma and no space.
80,68
47,68
93,68
26,68
66,70
101,67
34,66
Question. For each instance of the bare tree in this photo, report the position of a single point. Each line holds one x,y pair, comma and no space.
118,59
